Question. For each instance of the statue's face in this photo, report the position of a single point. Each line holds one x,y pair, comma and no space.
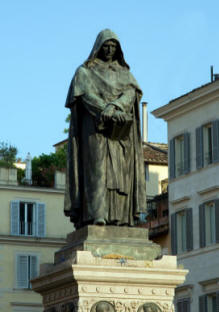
108,50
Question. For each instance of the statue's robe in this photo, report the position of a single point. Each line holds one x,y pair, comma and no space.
105,175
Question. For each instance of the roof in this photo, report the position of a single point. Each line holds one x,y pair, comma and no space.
196,89
61,143
155,153
174,107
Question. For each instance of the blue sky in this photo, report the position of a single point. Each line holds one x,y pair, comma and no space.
169,46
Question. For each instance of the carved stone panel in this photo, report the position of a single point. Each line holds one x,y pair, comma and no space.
149,307
102,306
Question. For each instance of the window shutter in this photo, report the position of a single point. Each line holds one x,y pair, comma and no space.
40,220
15,217
186,153
186,305
215,140
179,306
217,301
217,220
173,234
202,225
22,271
203,303
172,159
199,148
189,229
33,267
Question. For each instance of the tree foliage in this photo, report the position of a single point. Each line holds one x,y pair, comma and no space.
8,155
44,167
67,120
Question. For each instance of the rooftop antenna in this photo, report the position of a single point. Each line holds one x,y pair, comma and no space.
214,76
212,73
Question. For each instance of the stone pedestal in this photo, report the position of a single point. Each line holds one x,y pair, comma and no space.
81,280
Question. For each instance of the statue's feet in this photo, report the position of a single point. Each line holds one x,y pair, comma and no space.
99,221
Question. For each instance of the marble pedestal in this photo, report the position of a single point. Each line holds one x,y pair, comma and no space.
121,283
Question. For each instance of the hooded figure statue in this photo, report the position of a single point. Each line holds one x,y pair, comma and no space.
105,180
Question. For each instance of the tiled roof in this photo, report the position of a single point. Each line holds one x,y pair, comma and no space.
155,153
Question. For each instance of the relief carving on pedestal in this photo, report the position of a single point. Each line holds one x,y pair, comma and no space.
102,306
149,307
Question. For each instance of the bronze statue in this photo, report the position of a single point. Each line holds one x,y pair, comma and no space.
105,173
102,306
149,307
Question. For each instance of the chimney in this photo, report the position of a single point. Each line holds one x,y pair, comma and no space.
28,170
144,122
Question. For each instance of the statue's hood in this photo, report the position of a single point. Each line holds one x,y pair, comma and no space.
103,36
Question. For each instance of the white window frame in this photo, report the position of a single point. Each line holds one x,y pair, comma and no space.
25,221
26,254
39,218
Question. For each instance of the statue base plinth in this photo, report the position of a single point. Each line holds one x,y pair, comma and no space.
129,242
80,279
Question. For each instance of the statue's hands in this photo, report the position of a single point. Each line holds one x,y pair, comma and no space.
119,117
108,112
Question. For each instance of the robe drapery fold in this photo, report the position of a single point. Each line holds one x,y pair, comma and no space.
105,173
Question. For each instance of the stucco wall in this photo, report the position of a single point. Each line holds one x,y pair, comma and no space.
57,226
156,175
191,190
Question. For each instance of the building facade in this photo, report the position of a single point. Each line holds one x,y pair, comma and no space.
193,136
32,228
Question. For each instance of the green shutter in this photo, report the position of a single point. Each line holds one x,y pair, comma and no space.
15,217
186,305
203,303
179,305
217,220
173,234
186,153
189,229
199,148
215,140
40,220
33,267
217,301
22,271
172,159
202,226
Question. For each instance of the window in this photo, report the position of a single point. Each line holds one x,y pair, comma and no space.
183,305
209,223
27,218
26,270
182,231
207,144
209,302
179,156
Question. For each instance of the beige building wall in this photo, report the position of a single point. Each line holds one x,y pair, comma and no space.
157,173
57,226
194,189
